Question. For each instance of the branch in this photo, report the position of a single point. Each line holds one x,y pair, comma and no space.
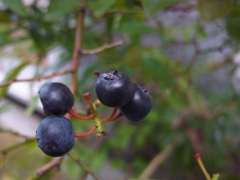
47,167
2,130
7,150
83,166
159,159
77,45
102,48
37,78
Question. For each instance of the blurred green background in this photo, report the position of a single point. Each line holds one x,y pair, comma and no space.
185,53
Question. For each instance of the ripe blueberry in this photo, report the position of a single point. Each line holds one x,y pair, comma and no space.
56,98
114,88
139,106
55,135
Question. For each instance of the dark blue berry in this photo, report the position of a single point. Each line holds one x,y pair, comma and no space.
114,88
55,135
56,98
139,106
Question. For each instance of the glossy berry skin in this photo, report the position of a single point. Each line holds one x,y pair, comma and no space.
55,135
114,88
56,98
139,106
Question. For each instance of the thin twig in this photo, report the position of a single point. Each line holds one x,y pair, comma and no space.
2,130
83,166
102,48
56,162
159,158
84,176
37,78
8,149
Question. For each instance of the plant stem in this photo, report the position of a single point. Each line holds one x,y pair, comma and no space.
111,115
2,130
113,118
83,166
7,150
201,165
37,78
102,48
77,46
159,158
87,96
47,167
80,117
85,134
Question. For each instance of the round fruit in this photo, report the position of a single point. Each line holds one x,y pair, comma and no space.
55,135
114,88
56,98
139,106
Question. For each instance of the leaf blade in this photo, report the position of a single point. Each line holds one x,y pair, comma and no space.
11,75
59,8
151,7
17,7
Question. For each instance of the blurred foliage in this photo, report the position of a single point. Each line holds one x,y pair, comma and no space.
181,51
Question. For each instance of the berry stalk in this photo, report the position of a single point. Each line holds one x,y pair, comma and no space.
87,96
80,117
85,134
201,165
113,118
111,115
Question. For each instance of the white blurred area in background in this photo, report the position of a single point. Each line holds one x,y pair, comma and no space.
16,118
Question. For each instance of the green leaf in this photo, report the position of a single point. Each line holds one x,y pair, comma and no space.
16,6
151,7
100,6
6,107
4,17
59,8
32,106
135,28
215,177
233,26
11,75
213,9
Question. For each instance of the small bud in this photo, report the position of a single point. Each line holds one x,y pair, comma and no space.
97,73
87,95
197,156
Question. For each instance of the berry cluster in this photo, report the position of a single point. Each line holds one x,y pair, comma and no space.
55,133
115,89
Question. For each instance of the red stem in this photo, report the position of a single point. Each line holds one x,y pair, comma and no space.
87,96
109,118
80,117
112,119
85,134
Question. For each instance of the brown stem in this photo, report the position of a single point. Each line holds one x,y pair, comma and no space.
159,158
102,48
8,149
47,167
77,46
2,130
75,62
83,166
37,78
84,176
